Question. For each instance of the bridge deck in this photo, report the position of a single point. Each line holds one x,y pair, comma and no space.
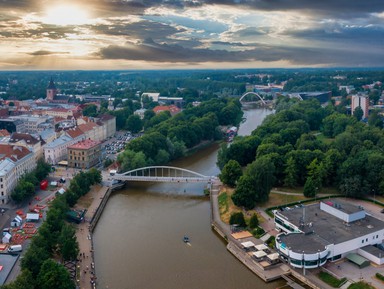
162,179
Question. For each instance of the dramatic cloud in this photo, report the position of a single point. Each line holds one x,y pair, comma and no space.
158,33
45,52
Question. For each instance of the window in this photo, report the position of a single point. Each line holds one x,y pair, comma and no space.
311,263
362,241
296,262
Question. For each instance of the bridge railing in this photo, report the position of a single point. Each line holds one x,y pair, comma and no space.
162,174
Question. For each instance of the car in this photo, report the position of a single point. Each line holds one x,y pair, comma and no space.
382,211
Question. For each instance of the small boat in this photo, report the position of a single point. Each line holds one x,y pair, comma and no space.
186,239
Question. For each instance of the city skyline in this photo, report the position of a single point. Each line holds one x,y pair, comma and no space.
218,34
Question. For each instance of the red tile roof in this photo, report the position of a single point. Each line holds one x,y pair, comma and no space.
74,132
173,109
87,126
4,132
85,144
13,152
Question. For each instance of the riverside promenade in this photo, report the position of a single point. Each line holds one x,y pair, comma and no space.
234,245
87,278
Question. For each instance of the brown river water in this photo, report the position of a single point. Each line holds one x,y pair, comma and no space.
138,239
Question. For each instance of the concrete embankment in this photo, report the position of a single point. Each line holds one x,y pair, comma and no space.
87,278
234,245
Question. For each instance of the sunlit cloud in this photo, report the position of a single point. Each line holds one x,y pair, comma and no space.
191,33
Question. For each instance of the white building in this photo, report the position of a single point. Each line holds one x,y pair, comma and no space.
331,230
56,151
362,101
15,161
32,123
153,95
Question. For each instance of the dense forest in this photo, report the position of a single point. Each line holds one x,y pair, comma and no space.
310,146
189,84
167,138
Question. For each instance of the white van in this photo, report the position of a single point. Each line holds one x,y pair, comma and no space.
15,249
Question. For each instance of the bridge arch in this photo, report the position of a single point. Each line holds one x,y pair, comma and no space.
252,93
162,174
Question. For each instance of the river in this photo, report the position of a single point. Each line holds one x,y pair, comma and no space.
138,239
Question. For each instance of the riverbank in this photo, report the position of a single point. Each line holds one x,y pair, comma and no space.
234,246
87,278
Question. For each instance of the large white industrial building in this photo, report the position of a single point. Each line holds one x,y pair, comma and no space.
327,231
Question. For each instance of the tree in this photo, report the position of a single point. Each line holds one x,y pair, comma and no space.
358,113
54,275
253,222
237,219
231,173
42,169
34,258
290,173
375,119
24,281
134,123
374,95
244,195
90,110
254,186
95,176
310,189
22,191
67,242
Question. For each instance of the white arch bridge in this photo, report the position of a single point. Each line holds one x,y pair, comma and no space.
162,174
251,97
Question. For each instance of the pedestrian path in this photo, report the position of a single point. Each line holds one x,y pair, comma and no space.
87,278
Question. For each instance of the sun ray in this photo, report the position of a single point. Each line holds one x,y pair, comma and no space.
64,15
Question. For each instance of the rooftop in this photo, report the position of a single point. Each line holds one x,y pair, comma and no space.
85,144
59,141
13,152
74,132
29,139
321,228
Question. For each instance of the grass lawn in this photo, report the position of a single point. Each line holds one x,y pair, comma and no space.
276,199
330,280
86,200
227,207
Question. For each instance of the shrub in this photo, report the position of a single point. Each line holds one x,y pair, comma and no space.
330,280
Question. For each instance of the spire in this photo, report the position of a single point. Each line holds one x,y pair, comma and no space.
51,84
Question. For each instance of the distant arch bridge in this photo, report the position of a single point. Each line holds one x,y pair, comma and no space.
249,97
166,174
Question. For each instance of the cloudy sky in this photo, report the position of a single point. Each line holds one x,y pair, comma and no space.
167,34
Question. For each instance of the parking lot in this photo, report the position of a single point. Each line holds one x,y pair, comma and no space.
116,144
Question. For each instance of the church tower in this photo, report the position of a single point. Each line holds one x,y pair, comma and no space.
51,91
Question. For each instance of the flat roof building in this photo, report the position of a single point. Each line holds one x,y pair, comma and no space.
331,230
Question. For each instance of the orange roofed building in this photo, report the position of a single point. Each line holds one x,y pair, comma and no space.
173,109
84,154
